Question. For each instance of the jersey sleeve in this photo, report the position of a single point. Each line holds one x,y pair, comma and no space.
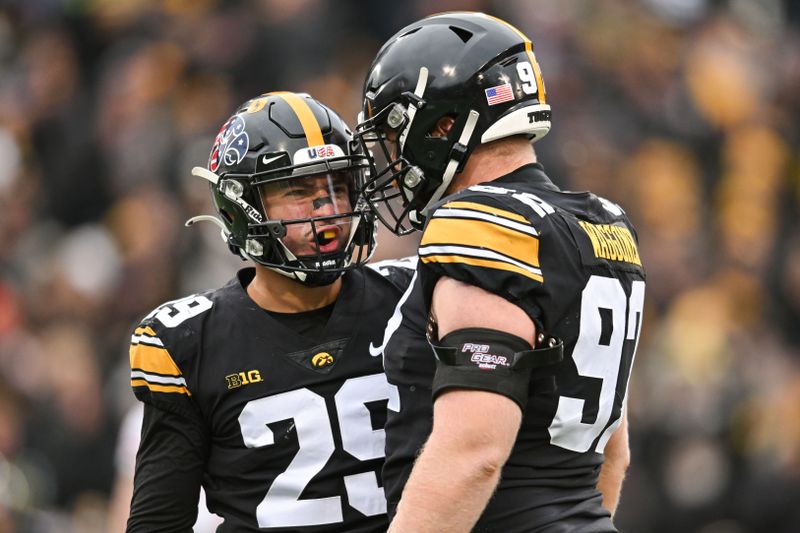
169,471
175,438
163,351
398,272
485,245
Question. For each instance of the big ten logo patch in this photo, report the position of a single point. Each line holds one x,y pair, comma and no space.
243,378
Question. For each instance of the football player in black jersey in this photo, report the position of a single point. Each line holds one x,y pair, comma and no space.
512,411
264,391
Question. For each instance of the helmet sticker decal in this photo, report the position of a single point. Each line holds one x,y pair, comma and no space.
231,143
499,94
304,155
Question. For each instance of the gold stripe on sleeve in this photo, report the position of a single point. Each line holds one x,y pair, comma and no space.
480,233
486,209
152,359
486,263
176,389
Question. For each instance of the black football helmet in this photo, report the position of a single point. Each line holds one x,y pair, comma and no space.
276,146
472,67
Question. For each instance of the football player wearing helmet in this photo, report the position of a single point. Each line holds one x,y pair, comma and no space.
512,408
264,391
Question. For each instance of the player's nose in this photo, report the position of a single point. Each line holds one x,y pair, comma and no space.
323,204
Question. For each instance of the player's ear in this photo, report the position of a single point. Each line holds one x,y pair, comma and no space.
443,126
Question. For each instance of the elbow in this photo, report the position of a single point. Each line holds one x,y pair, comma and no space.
469,461
485,461
490,461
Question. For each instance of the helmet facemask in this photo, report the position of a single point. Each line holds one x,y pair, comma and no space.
390,187
313,225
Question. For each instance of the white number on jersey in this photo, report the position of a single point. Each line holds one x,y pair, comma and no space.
175,312
597,360
282,506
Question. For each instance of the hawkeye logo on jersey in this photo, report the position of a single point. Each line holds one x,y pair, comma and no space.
485,361
613,243
243,378
322,359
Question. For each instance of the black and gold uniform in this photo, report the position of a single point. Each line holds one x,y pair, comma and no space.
571,262
279,417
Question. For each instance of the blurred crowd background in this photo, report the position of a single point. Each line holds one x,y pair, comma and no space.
687,112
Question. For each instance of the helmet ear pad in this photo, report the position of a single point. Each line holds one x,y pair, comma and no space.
234,219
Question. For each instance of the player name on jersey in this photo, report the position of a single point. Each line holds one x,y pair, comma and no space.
614,243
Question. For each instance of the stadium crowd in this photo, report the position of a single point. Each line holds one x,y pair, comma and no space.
685,112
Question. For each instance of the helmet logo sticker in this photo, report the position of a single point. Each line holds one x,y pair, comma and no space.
304,155
231,143
499,94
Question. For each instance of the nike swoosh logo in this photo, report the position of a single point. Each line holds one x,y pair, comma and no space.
375,351
266,161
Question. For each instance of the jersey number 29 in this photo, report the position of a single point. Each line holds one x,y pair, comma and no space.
282,506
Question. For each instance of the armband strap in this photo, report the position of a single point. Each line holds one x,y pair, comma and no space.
491,360
488,346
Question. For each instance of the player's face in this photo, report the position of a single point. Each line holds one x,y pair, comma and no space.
321,195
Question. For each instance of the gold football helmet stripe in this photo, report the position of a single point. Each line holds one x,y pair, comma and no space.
152,359
307,119
540,91
470,232
486,209
486,263
177,389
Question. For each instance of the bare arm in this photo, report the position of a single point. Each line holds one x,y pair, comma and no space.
120,503
473,431
612,473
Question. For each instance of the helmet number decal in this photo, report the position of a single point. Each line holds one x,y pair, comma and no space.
527,76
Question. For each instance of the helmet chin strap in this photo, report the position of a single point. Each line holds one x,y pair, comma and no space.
302,276
452,165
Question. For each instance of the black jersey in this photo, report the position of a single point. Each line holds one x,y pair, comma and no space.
571,261
286,431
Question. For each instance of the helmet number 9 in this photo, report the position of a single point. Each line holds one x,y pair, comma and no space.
527,76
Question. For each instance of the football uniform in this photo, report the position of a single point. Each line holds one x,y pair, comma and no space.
281,421
571,262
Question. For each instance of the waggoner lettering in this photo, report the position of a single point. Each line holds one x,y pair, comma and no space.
614,243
